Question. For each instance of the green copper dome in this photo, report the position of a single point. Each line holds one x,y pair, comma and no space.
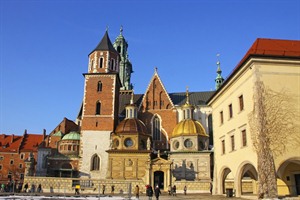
59,133
72,136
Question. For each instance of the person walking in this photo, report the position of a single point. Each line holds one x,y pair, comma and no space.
184,190
25,187
112,189
149,192
137,192
39,189
157,192
174,190
103,189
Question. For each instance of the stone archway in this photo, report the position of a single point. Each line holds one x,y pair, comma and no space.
225,181
289,173
246,179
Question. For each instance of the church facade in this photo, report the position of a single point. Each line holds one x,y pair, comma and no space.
155,138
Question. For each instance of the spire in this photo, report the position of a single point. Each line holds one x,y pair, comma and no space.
105,44
187,96
219,79
131,99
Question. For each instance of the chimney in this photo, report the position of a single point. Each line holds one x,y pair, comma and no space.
25,132
12,138
44,134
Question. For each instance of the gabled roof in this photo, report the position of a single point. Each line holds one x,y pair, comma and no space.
31,142
105,44
156,77
266,48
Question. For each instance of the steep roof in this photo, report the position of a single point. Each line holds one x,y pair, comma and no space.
266,48
105,44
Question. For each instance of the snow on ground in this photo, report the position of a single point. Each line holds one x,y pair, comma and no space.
58,198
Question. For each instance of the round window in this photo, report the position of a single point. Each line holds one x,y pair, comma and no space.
116,143
128,142
188,143
175,145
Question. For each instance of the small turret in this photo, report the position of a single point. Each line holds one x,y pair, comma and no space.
219,79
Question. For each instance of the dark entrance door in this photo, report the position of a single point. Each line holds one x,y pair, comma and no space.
159,179
297,180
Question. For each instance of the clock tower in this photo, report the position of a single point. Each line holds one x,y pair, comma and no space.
99,115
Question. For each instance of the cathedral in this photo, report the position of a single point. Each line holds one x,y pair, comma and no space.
155,138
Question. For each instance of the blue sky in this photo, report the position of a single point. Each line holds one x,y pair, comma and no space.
44,47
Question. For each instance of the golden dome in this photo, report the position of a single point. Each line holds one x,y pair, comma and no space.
131,125
189,127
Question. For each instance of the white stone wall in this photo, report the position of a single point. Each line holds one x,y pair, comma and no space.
94,142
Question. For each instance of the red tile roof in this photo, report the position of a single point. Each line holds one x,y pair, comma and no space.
262,47
272,48
26,142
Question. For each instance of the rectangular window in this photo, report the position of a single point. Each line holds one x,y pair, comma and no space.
0,167
22,156
232,143
244,138
223,146
21,166
221,118
230,111
21,176
1,157
11,162
241,101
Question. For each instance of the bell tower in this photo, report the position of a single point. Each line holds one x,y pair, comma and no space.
100,107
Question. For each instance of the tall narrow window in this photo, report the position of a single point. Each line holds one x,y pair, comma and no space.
232,143
223,146
101,63
221,118
230,111
99,86
112,64
156,128
241,101
98,108
95,163
244,138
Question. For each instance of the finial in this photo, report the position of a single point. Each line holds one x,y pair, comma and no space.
218,60
107,27
131,100
155,69
187,95
121,30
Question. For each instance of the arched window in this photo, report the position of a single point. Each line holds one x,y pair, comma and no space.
101,63
99,86
98,108
119,49
112,64
95,162
156,128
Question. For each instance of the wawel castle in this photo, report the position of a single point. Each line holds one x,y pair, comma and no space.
202,140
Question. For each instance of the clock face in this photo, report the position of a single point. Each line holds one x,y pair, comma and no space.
128,142
188,143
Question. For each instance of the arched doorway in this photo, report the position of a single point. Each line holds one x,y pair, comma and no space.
247,178
227,180
159,179
289,173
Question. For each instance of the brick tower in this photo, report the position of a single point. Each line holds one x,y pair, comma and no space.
99,115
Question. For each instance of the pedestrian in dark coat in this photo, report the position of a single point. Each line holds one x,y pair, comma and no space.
157,192
149,192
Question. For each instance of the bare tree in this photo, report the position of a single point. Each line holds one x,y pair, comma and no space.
274,128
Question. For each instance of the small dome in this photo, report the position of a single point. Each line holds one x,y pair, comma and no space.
189,127
59,133
72,136
131,125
